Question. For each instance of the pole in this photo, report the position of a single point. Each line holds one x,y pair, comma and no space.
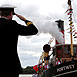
70,6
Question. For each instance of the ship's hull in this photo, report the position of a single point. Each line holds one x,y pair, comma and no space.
62,70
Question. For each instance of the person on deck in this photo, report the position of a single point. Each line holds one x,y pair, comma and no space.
9,33
58,61
35,75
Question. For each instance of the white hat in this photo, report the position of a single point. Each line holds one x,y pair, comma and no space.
7,7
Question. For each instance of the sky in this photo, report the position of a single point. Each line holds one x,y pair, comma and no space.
43,13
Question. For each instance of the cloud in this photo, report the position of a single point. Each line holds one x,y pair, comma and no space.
30,49
28,59
33,44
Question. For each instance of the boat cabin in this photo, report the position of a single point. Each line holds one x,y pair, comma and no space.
63,51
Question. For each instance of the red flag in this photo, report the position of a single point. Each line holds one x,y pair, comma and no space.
69,12
72,25
35,68
75,32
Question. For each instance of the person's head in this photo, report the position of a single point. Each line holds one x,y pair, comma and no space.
7,14
7,11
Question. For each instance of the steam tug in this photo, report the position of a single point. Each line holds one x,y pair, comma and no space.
64,56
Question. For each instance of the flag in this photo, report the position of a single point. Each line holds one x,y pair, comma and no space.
75,32
69,2
69,12
72,25
73,28
35,68
75,37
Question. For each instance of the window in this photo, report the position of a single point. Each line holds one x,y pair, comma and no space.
75,49
66,49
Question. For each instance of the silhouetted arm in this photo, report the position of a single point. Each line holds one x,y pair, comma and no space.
30,29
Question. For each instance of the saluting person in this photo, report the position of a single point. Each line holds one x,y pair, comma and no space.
9,32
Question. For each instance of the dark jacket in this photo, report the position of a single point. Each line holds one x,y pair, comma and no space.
9,32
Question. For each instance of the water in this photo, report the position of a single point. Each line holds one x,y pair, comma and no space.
26,75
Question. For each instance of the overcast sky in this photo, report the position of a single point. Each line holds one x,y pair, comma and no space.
42,13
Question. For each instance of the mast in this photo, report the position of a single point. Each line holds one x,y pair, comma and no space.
71,22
